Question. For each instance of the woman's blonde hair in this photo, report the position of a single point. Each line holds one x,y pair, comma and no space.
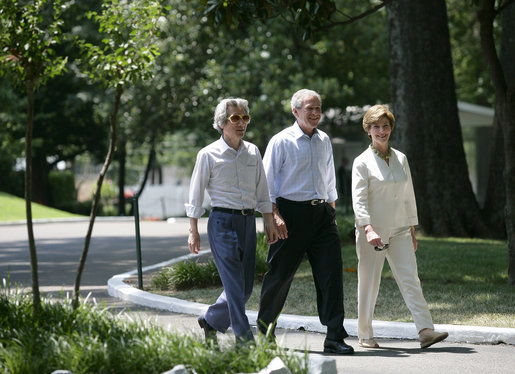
374,114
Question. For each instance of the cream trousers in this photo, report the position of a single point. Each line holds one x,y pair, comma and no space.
403,263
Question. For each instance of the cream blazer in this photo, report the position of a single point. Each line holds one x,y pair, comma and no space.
382,194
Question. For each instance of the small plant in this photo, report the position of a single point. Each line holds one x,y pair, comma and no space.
192,274
89,339
187,274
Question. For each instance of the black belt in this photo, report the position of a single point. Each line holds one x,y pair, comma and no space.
241,212
307,202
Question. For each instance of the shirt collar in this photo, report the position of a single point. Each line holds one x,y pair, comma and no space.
298,133
224,146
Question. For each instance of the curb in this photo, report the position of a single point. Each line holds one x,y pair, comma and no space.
75,219
116,287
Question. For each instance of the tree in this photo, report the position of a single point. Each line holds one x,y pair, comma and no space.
503,77
126,55
428,126
29,33
427,117
68,121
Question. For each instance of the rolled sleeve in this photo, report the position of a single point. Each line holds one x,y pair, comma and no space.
199,180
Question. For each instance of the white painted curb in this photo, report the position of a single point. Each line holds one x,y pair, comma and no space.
116,287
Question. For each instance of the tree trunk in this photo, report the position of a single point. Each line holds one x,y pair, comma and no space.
40,172
495,201
150,165
495,198
122,160
503,78
36,298
427,123
96,197
507,59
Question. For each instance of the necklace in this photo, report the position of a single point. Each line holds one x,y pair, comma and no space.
380,154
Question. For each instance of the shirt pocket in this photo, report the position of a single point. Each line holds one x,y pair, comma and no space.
224,171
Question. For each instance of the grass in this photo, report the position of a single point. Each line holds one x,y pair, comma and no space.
464,282
92,340
13,209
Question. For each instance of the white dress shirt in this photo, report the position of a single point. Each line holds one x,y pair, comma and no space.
300,168
233,179
382,194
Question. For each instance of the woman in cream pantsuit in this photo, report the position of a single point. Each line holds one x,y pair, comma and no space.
385,212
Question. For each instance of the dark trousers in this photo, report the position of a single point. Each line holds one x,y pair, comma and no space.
311,230
232,239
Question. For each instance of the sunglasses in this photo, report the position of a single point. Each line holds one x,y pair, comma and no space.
235,118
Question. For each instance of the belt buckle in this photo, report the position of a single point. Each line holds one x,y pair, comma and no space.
243,212
315,201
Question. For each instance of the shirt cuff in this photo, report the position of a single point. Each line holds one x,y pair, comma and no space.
362,221
264,207
193,211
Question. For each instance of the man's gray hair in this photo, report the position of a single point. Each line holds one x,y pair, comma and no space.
221,111
299,96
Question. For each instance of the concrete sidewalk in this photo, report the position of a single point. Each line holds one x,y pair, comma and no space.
382,329
468,349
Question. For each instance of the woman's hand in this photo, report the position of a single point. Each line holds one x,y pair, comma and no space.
372,238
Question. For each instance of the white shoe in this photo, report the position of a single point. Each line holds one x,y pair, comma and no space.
368,343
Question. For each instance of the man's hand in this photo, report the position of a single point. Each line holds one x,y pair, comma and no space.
194,237
194,242
280,225
270,229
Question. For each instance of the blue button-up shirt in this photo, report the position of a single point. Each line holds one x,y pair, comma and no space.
299,167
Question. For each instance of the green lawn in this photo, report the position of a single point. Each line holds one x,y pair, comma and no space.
13,209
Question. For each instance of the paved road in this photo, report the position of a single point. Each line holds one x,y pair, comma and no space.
112,251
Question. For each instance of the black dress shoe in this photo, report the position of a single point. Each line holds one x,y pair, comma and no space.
209,331
337,347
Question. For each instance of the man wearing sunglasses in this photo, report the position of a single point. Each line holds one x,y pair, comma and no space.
301,178
231,170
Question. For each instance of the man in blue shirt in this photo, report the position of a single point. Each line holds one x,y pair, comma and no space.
300,172
231,171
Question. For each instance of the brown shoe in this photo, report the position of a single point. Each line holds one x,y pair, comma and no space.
428,337
368,343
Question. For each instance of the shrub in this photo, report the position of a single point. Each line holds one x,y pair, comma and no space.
196,274
89,339
187,274
62,187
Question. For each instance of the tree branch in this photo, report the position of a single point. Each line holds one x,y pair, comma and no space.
486,17
358,17
503,6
